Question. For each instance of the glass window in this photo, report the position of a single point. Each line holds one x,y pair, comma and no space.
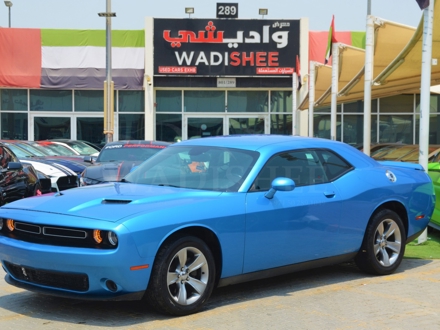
169,127
353,130
204,101
395,128
358,107
246,126
51,128
322,126
50,100
89,100
131,101
204,127
168,101
131,127
397,103
281,101
304,167
90,129
247,101
14,99
14,126
281,124
434,129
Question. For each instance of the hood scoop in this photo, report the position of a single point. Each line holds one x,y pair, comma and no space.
116,201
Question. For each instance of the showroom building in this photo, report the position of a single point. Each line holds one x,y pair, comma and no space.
180,79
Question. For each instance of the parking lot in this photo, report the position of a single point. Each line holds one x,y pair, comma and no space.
338,297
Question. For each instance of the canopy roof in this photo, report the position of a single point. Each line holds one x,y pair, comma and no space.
396,70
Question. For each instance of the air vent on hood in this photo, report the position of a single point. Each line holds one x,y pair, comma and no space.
116,201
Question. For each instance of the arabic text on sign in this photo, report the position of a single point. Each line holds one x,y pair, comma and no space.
275,70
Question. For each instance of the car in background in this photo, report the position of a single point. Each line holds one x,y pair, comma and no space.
213,212
17,180
61,177
79,147
117,159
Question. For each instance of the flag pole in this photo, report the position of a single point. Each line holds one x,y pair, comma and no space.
311,95
294,102
334,89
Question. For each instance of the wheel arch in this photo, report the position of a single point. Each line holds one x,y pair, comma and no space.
206,235
397,207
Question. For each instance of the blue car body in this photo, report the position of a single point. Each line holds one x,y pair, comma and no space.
252,234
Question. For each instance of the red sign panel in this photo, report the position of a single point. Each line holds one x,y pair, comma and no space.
178,69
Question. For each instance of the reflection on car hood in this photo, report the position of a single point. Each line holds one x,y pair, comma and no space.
112,171
111,201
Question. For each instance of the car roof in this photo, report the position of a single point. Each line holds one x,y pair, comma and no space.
138,142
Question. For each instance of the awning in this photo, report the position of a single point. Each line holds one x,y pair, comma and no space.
397,64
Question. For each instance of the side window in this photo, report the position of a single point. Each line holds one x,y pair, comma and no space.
305,167
334,165
302,166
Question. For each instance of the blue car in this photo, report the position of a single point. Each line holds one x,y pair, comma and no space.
212,212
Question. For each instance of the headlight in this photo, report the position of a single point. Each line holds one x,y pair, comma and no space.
112,238
87,181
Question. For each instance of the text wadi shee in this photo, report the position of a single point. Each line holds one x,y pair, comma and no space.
241,49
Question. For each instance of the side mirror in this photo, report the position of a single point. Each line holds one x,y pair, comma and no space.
88,159
15,166
280,184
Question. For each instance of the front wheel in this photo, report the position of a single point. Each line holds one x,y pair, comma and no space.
384,244
182,278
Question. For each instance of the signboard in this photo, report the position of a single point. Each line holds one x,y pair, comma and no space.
226,82
227,10
219,47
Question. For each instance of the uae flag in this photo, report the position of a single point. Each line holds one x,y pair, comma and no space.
298,73
423,3
331,40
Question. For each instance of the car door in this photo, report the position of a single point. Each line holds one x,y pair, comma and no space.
298,225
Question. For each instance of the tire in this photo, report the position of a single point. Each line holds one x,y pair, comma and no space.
187,260
384,244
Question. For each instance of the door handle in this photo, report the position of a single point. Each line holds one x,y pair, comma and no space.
329,194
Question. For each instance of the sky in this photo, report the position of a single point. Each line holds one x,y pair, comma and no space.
350,15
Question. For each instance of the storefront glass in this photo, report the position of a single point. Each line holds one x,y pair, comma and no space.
281,124
169,127
131,101
281,101
204,127
204,101
13,99
51,128
248,101
89,100
168,101
14,126
50,100
90,129
132,127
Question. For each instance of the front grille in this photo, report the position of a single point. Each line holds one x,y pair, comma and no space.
60,280
59,236
67,182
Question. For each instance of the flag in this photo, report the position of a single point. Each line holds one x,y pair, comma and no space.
331,40
423,3
298,73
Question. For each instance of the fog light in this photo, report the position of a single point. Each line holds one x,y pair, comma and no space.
97,236
10,224
111,285
112,238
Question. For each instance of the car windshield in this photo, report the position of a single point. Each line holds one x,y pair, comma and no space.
119,153
82,148
196,167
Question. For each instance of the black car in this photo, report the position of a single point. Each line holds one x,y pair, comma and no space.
117,159
17,181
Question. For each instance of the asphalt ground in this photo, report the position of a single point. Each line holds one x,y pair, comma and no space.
337,297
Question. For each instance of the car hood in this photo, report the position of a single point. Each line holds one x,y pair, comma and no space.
114,171
111,201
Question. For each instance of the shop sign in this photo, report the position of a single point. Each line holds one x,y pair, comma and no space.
205,47
226,82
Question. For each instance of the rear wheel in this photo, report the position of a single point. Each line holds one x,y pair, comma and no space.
384,244
182,278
